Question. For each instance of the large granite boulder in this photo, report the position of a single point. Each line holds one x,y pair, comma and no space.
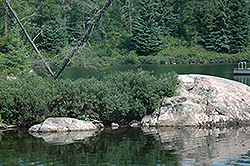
64,124
203,101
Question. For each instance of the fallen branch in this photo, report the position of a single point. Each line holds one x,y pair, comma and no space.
67,59
31,42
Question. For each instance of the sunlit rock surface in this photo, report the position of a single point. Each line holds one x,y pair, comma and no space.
63,124
204,101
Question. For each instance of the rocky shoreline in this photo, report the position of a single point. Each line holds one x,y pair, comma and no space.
204,101
201,101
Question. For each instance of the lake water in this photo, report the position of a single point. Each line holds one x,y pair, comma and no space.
134,147
221,70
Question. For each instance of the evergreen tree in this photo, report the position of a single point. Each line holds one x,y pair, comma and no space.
239,23
169,19
230,29
3,25
78,18
6,18
15,57
54,36
147,33
197,19
110,32
219,37
47,10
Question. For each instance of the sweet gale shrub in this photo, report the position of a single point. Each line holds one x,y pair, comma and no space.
119,96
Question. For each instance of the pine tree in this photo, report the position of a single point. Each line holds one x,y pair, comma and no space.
230,29
3,25
219,38
169,20
239,22
196,19
54,36
14,58
147,33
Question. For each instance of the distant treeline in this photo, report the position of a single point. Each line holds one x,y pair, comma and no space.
130,32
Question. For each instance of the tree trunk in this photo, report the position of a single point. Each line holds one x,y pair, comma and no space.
71,54
31,42
6,23
130,18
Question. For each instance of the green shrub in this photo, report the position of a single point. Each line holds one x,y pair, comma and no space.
131,95
120,96
23,99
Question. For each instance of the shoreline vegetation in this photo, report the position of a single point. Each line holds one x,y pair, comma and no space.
120,97
28,98
191,57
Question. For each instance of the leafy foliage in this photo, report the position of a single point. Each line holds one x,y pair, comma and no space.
120,97
84,117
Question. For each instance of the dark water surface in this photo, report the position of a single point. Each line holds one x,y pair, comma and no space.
124,146
133,147
222,70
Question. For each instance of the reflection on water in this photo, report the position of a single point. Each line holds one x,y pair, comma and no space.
220,146
61,138
124,146
112,147
245,79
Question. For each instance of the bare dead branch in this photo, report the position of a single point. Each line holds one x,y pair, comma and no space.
36,37
34,14
90,28
33,45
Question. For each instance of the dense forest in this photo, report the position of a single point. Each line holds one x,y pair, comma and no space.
129,32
